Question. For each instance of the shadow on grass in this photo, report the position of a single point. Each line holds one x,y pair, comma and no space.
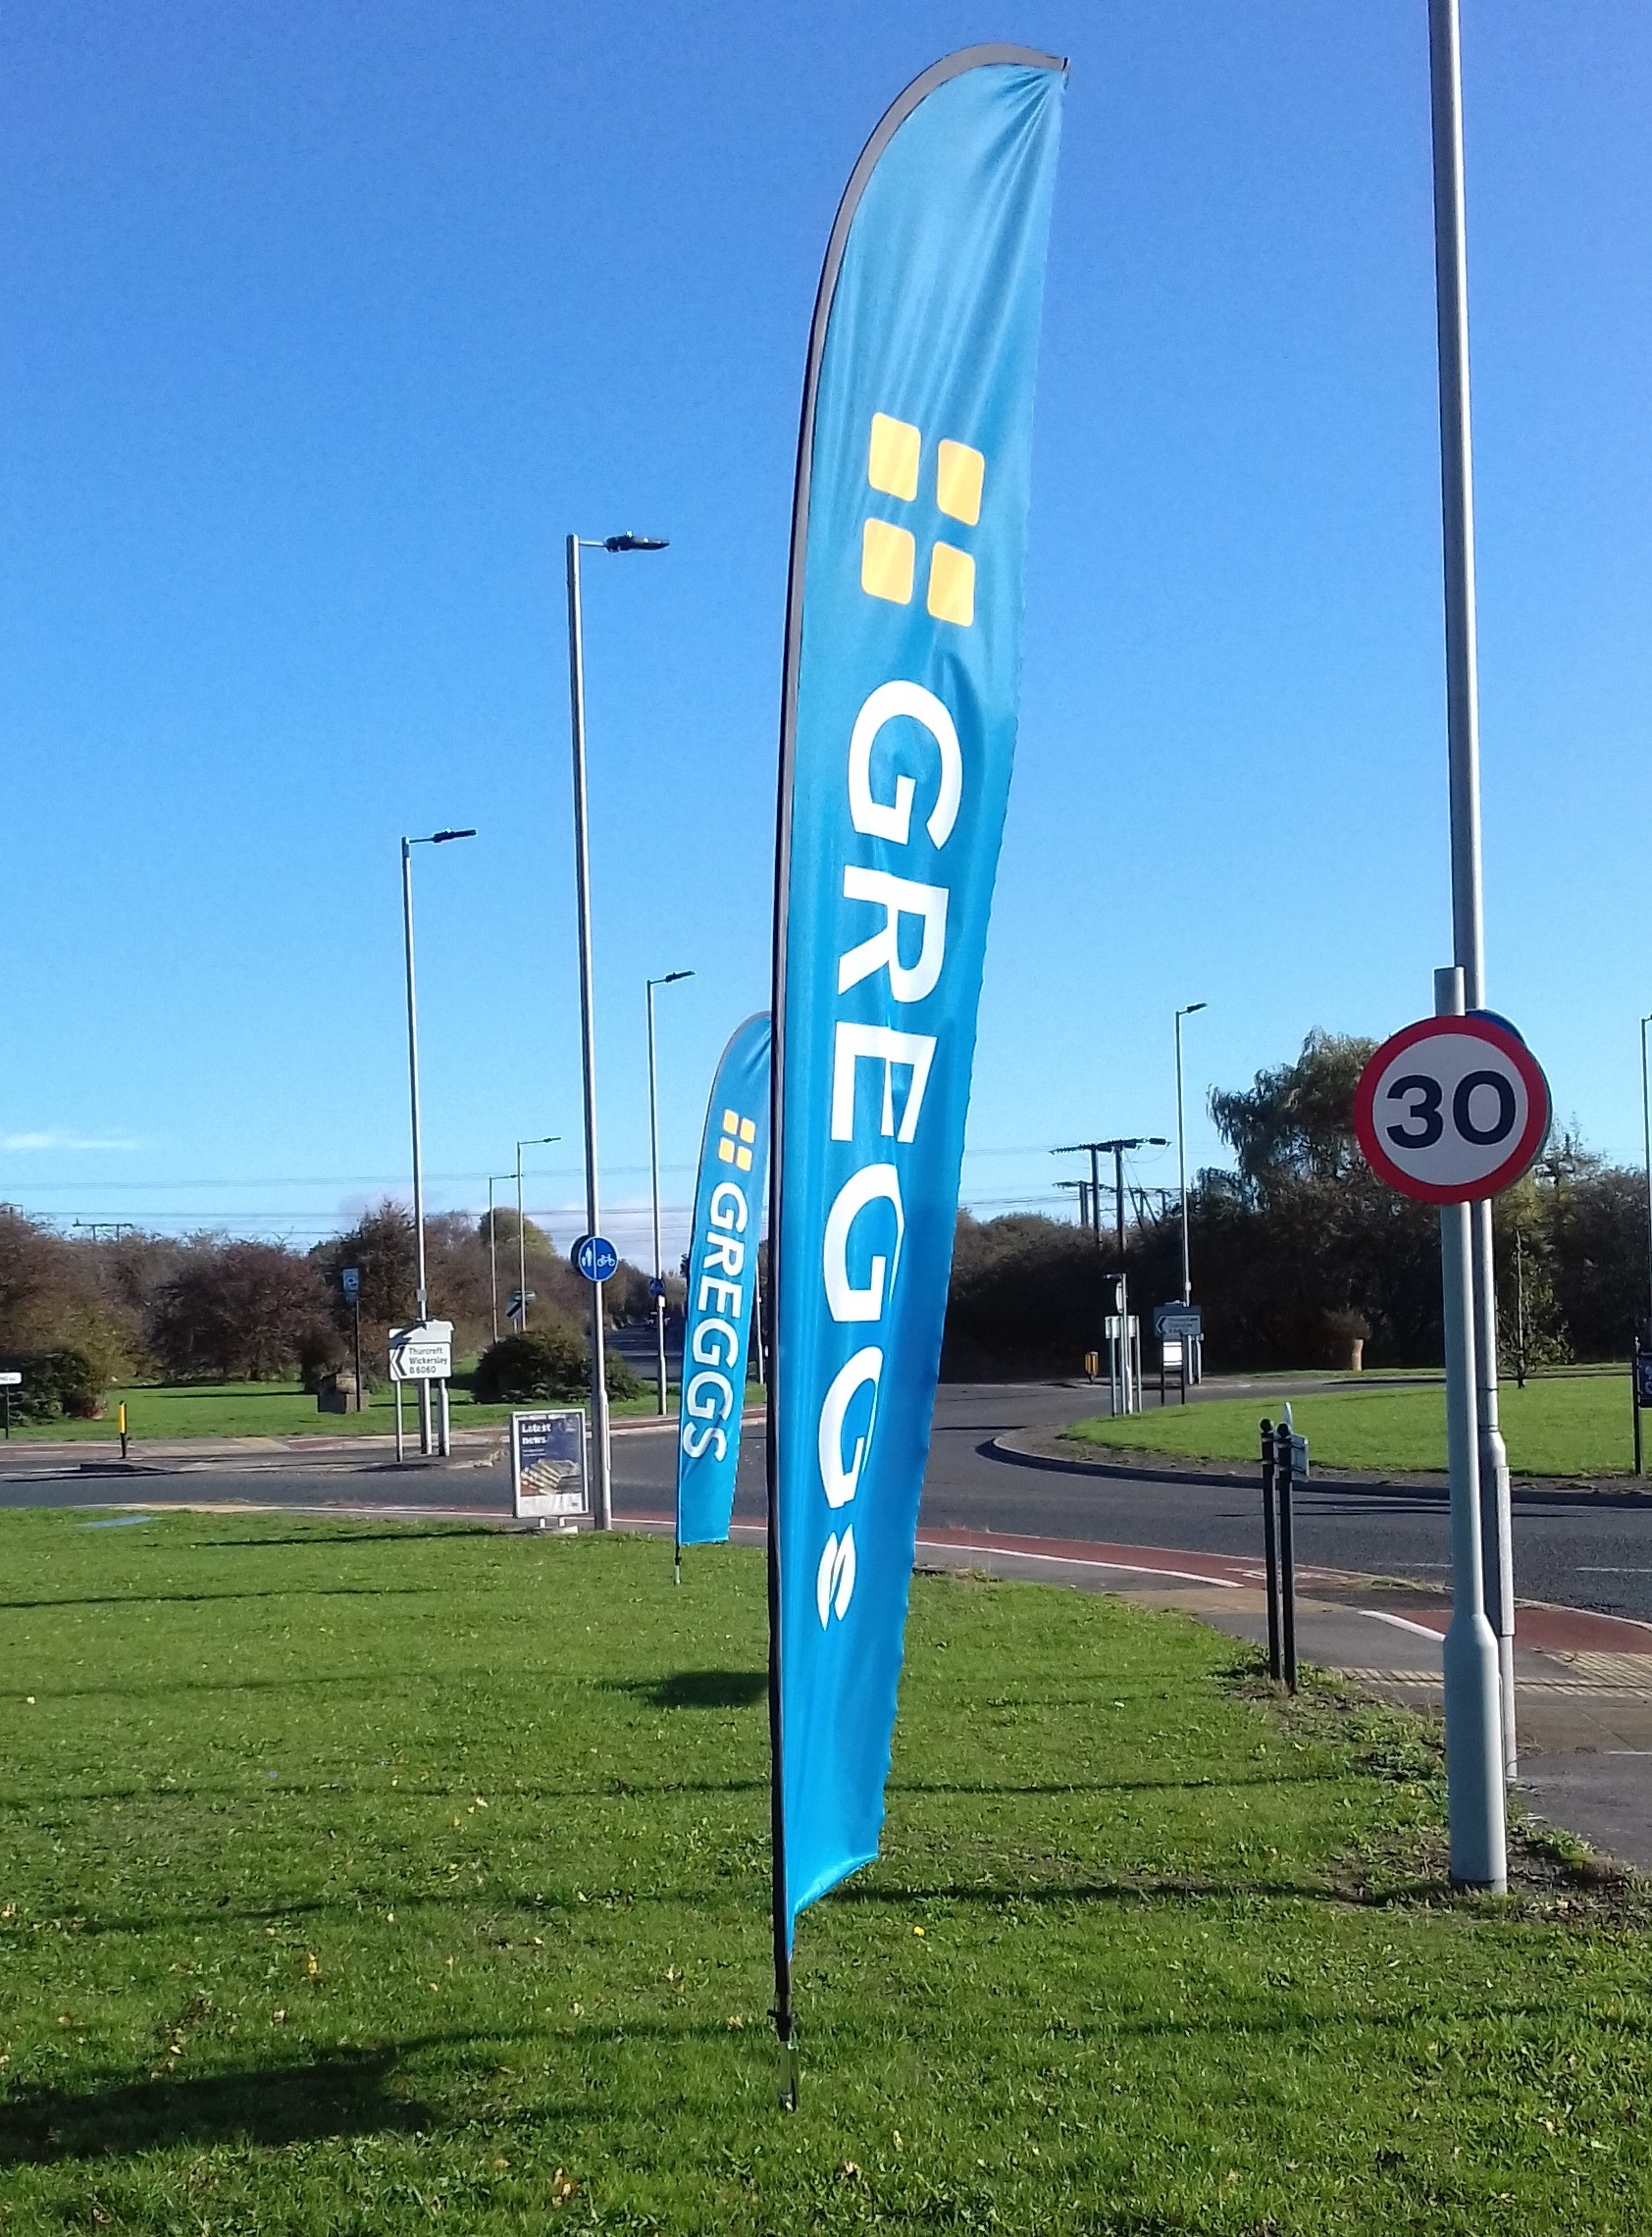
345,2093
697,1689
410,1533
1171,1889
1060,1786
194,1599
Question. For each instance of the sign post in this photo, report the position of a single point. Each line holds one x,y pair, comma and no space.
10,1378
1452,1111
596,1259
422,1353
349,1282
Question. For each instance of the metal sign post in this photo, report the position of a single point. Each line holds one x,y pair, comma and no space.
10,1378
349,1282
1450,1111
423,1353
596,1259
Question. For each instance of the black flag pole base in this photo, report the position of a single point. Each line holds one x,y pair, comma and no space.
788,2064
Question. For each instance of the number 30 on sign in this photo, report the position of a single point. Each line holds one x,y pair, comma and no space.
1452,1108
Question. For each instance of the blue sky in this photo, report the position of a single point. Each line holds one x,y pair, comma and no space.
322,326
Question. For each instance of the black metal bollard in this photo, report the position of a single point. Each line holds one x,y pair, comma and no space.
1270,1550
1285,1474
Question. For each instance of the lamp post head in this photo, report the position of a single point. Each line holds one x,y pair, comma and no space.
671,977
630,542
1193,1006
441,838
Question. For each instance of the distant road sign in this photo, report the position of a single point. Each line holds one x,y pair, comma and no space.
1178,1320
513,1303
656,1287
349,1282
1452,1109
595,1257
10,1376
423,1352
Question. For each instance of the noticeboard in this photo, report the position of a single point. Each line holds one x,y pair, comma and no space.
548,1464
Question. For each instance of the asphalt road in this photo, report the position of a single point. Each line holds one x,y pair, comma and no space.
1570,1547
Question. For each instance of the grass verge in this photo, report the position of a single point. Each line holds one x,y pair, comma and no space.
363,1879
1557,1426
161,1413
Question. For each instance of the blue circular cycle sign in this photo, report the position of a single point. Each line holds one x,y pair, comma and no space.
595,1257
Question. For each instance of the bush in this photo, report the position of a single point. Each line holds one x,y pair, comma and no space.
545,1363
56,1383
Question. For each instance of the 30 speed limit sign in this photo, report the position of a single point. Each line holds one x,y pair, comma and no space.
1452,1108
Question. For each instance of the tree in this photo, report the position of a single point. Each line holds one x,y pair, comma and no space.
237,1309
53,1301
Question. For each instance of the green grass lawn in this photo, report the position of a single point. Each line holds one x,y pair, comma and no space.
364,1879
1557,1426
161,1412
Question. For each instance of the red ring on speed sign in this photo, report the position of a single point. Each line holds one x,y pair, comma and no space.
1429,1142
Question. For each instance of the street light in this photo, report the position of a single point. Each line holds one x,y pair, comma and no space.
431,839
1646,1122
1125,1397
1181,1147
670,980
534,1142
494,1252
587,1053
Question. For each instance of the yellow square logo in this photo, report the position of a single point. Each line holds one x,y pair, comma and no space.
952,585
959,475
738,1133
892,460
888,561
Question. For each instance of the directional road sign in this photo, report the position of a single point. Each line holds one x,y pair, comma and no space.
595,1257
10,1378
1452,1109
349,1282
1178,1320
421,1352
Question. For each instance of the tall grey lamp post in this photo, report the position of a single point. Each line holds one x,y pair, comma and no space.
670,980
421,1289
534,1142
493,1251
1181,1149
602,1480
1463,754
1646,1125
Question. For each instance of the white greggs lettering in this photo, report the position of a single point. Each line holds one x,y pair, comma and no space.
843,1454
709,1396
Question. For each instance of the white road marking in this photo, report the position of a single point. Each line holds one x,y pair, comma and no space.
1401,1623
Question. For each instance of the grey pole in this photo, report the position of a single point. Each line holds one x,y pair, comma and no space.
431,839
653,1180
670,980
1646,1125
1472,1681
492,1262
601,1471
1451,288
1181,1151
533,1142
521,1251
492,1248
603,1502
420,1292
